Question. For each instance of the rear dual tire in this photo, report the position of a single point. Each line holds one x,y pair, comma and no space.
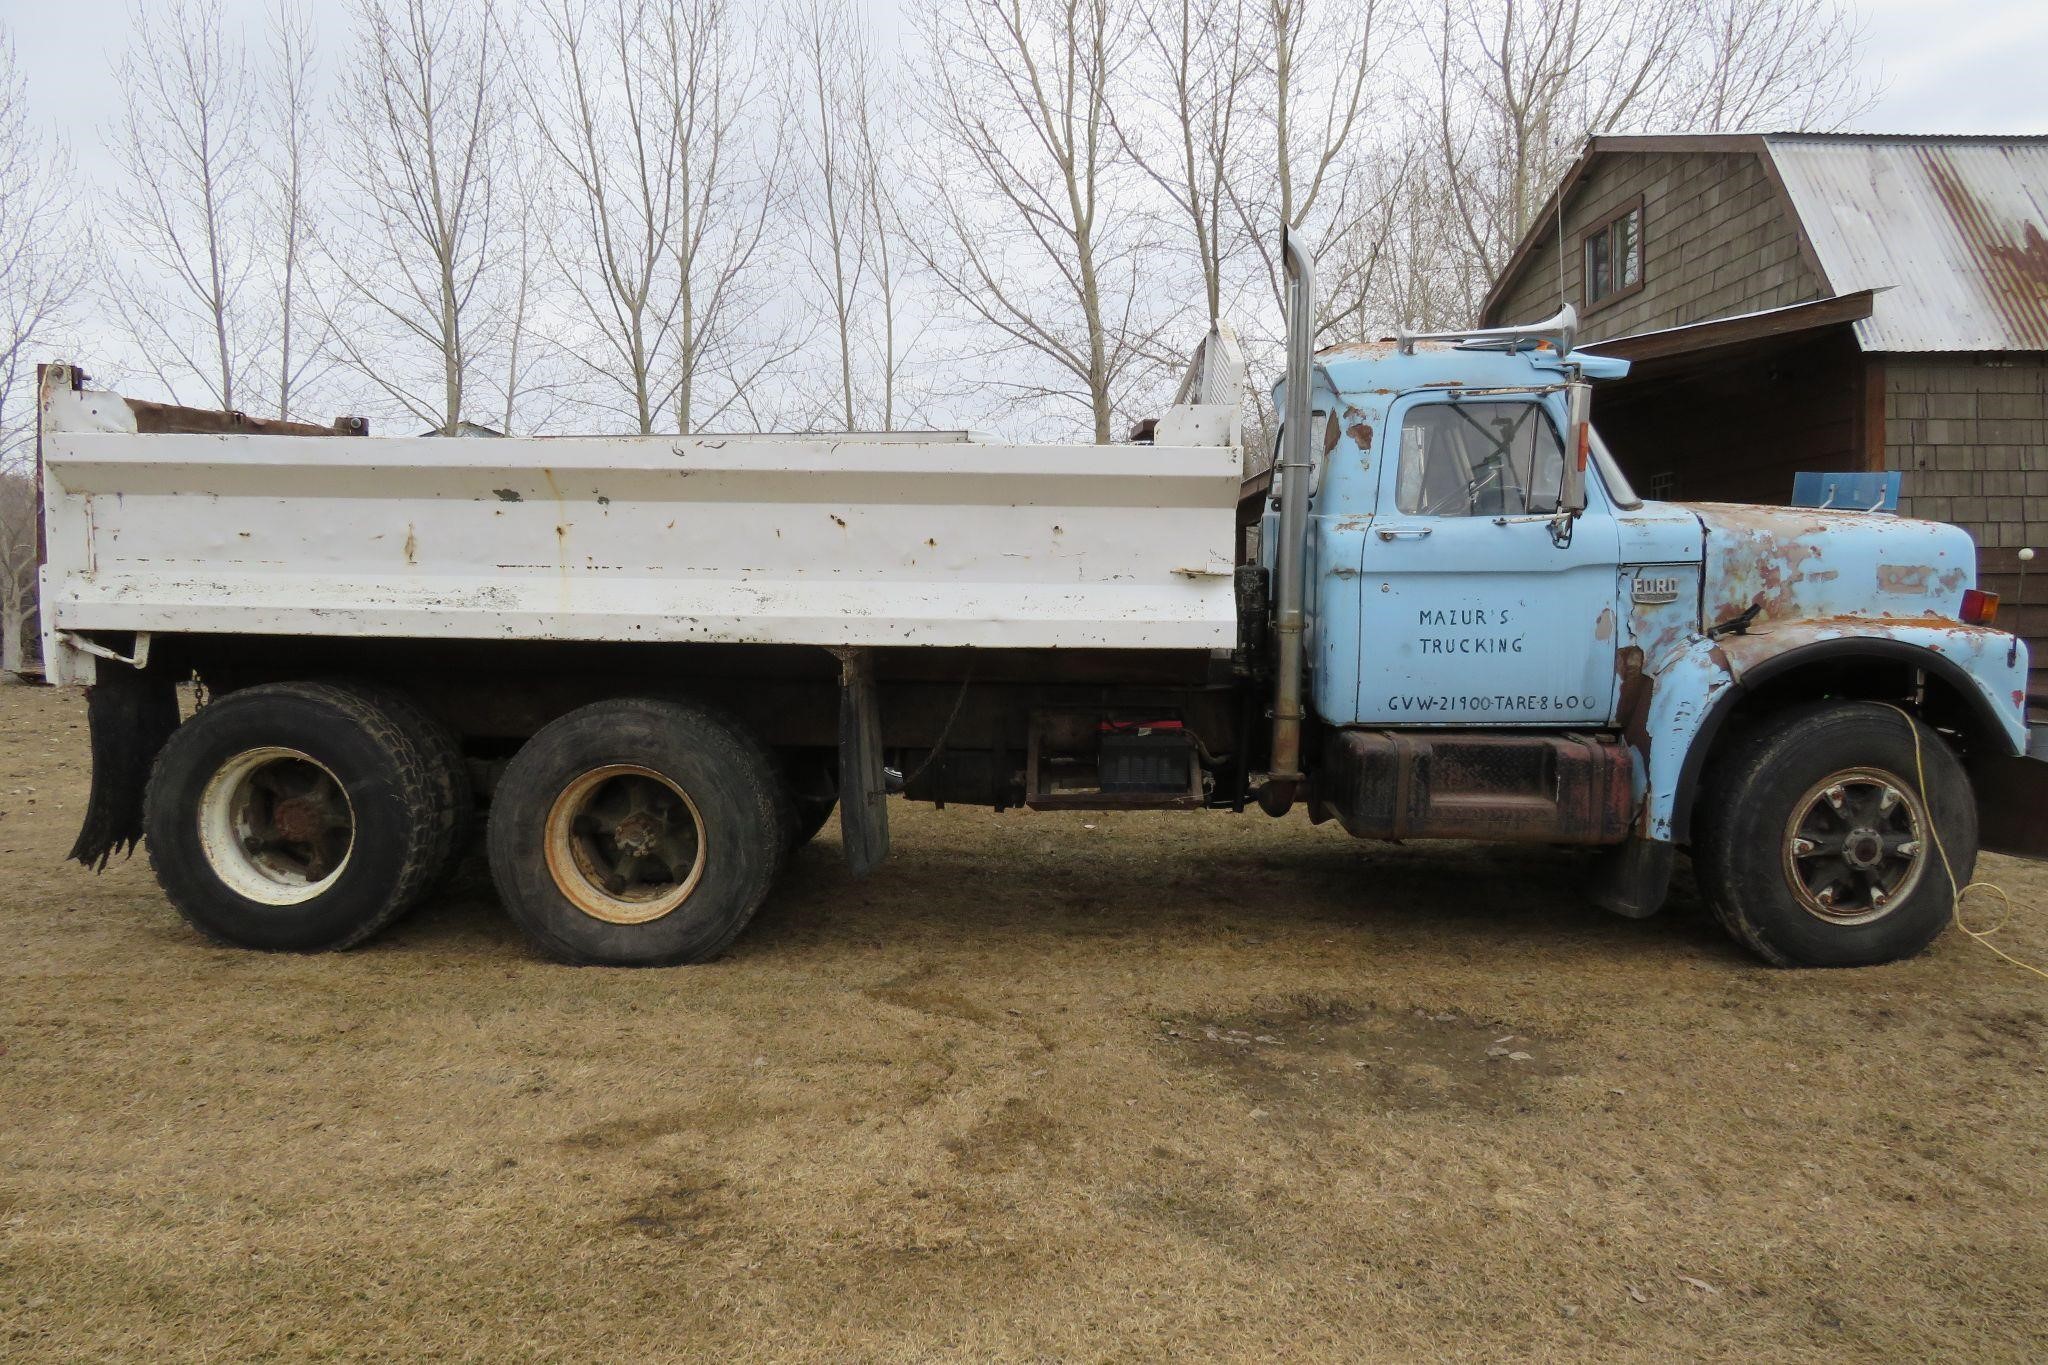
303,817
639,833
812,777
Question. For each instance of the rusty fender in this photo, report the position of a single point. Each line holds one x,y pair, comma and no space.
1673,720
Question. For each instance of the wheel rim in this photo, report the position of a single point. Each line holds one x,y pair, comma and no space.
276,826
625,844
1855,845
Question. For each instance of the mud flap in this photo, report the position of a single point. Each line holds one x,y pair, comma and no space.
1632,879
863,790
130,712
2012,804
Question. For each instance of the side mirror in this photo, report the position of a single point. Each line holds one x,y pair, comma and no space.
1578,426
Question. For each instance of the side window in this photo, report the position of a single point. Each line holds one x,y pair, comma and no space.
1614,257
1465,459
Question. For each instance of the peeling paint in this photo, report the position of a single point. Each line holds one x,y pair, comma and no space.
1792,564
1897,578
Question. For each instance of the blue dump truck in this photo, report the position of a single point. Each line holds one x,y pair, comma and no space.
658,664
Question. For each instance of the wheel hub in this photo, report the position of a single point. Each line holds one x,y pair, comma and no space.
635,835
276,825
625,844
299,819
1863,848
1854,845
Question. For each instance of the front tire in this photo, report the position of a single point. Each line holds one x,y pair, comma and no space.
1817,839
638,833
292,817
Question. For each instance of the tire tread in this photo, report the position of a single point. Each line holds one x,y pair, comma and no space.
454,801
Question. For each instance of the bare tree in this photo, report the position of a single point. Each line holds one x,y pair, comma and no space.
1518,87
424,118
536,389
182,208
1252,115
834,216
18,544
1184,121
1039,244
1758,64
882,212
41,272
1319,165
714,91
1424,277
288,157
848,204
601,113
650,116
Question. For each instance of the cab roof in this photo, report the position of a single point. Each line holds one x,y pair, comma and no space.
1386,367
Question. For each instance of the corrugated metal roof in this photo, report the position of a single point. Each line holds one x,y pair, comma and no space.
1957,227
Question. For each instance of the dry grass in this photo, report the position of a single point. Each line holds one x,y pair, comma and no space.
1170,1084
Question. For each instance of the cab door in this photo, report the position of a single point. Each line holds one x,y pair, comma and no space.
1479,606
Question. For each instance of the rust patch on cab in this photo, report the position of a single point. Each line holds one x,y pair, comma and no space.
1904,578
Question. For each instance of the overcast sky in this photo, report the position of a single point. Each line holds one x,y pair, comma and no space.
1953,67
1948,67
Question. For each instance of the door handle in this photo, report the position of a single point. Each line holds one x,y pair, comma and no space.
1403,532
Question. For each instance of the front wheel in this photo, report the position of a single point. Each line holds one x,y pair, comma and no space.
1821,836
638,833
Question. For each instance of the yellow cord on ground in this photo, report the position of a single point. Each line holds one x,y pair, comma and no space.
1982,936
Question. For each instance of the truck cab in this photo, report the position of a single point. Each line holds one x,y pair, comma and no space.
1503,640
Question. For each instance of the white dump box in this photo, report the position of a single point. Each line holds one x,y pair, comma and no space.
929,539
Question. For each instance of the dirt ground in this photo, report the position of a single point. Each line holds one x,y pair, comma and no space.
1046,1087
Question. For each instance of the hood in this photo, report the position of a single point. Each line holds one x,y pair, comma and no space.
1802,563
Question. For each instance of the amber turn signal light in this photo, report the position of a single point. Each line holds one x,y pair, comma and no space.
1980,608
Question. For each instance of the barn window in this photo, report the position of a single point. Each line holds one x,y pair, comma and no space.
1614,257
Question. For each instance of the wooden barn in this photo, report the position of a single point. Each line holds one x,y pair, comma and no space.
1822,302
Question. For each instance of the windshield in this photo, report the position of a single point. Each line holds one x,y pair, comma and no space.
1619,490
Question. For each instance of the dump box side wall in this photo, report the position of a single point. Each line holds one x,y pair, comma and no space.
747,540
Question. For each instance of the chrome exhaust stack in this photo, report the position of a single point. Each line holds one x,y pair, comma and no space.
1283,782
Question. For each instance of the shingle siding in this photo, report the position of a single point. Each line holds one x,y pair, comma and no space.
1717,240
1970,435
